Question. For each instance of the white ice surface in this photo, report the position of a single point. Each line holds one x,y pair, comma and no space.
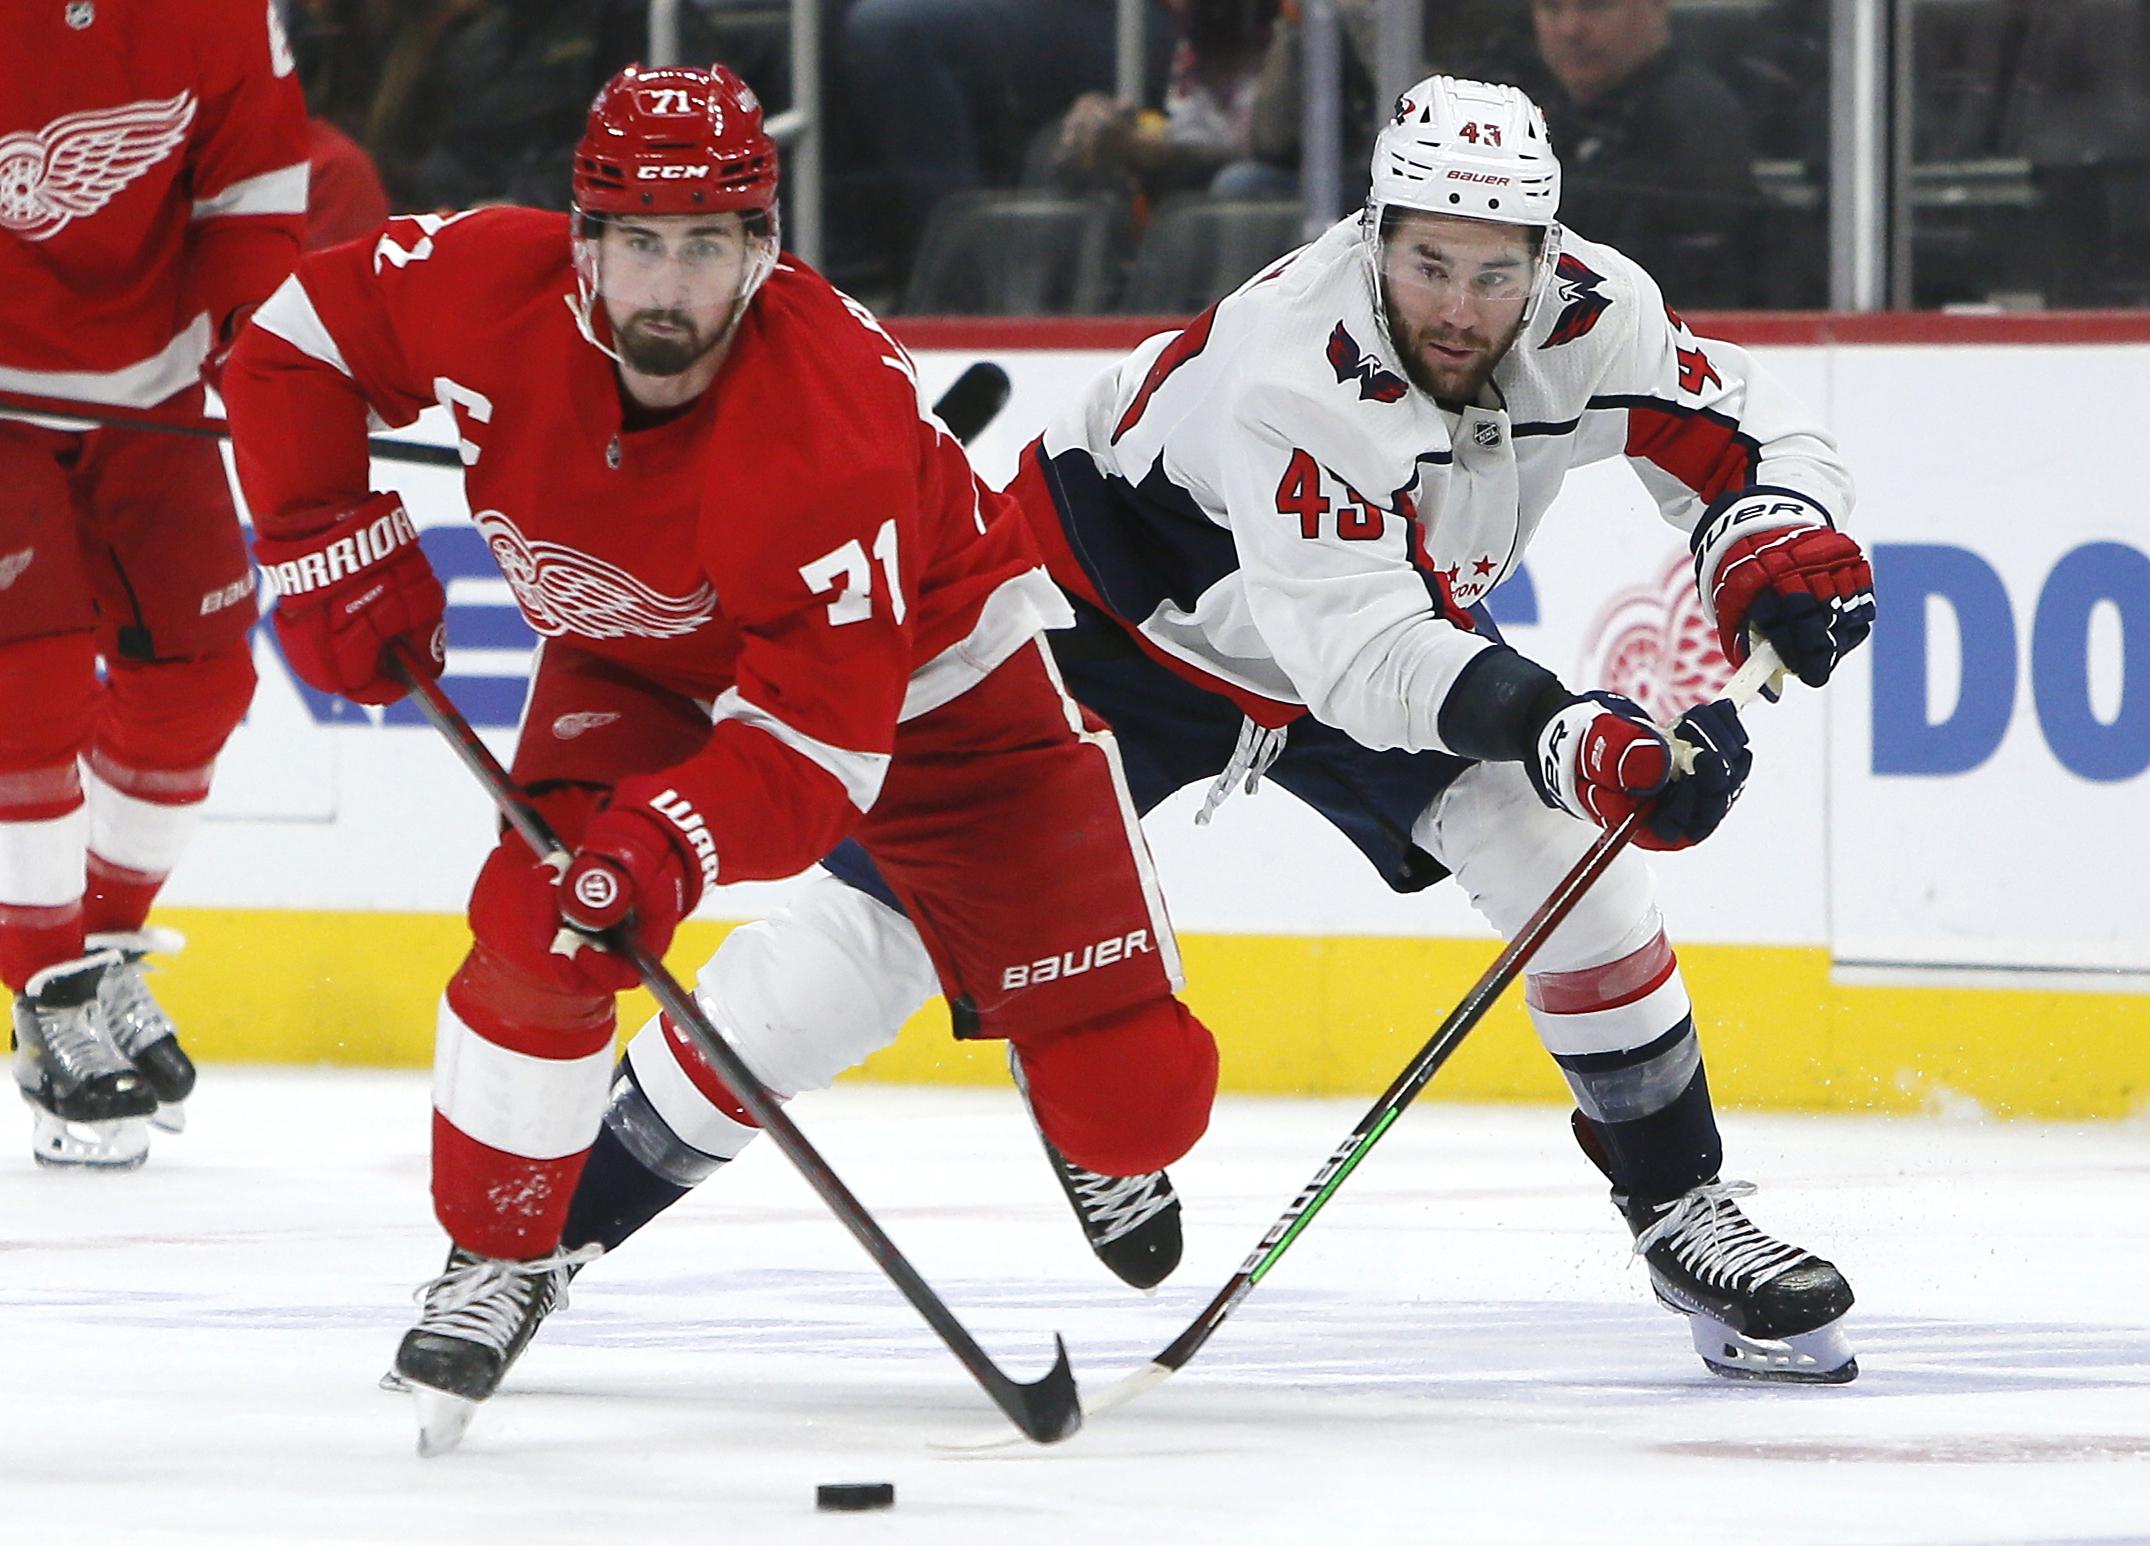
1456,1351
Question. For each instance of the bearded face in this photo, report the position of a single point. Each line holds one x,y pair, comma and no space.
671,285
1455,290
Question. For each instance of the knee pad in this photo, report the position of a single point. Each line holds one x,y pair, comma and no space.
173,715
1125,1094
514,916
48,701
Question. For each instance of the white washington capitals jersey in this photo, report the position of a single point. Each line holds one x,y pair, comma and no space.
1265,501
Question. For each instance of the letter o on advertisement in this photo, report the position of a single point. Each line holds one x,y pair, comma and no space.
2095,574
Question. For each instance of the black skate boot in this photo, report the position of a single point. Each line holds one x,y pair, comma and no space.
1758,1309
1131,1222
91,1106
478,1316
145,1033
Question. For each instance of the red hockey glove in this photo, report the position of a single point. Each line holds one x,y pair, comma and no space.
638,865
1599,757
1770,561
349,590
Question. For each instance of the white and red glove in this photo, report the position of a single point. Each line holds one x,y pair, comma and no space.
1600,757
350,589
1769,559
643,864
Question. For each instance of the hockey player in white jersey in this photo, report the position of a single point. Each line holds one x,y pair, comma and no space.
1276,526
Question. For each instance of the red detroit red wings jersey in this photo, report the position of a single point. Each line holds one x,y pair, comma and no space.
152,180
803,546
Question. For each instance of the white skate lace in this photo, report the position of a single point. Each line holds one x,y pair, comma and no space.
1258,747
479,1298
1720,1245
136,1018
1113,1206
78,1045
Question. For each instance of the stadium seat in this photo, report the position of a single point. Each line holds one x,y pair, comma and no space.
1199,248
992,252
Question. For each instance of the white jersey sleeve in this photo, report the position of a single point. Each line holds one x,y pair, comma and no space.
1715,437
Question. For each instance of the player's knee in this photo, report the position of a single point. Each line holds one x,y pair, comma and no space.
1127,1093
505,1002
514,914
176,713
48,700
811,990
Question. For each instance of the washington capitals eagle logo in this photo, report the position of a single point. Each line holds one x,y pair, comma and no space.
1582,303
1350,363
72,168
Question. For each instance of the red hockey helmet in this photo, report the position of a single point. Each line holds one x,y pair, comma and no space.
672,142
675,141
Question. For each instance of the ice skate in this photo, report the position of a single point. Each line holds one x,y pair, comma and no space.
1758,1308
90,1105
1131,1222
478,1316
140,1026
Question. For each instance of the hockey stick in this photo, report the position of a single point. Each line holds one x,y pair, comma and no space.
204,429
1762,670
1045,1410
971,402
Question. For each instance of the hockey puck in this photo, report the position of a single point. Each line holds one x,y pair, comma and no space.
854,1497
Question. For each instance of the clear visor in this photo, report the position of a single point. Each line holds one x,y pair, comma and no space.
691,264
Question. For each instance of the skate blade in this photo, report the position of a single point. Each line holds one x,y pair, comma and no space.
120,1144
443,1419
171,1117
395,1384
1819,1357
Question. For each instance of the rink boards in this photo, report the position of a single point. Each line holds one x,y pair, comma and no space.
1933,893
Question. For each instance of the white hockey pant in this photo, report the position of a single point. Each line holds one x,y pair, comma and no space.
801,996
1604,991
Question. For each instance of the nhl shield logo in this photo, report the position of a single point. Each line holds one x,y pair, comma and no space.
80,13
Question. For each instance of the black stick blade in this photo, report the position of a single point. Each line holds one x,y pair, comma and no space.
973,401
1050,1409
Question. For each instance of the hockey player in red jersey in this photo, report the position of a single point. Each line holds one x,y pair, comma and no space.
778,609
152,190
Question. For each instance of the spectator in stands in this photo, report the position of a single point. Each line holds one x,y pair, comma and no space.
1655,151
1105,144
947,94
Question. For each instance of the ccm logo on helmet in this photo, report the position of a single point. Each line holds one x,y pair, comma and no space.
673,173
674,807
1120,947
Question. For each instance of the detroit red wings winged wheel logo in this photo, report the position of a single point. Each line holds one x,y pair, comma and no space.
75,165
565,590
1656,644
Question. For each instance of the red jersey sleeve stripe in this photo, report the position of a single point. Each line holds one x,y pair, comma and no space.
1706,451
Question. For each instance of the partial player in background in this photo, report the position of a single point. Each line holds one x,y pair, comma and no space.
777,609
152,190
1277,527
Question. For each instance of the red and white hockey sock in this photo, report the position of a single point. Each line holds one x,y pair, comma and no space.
515,1108
44,835
140,822
1622,1031
681,1088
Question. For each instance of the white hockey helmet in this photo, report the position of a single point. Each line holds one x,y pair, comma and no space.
1470,148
